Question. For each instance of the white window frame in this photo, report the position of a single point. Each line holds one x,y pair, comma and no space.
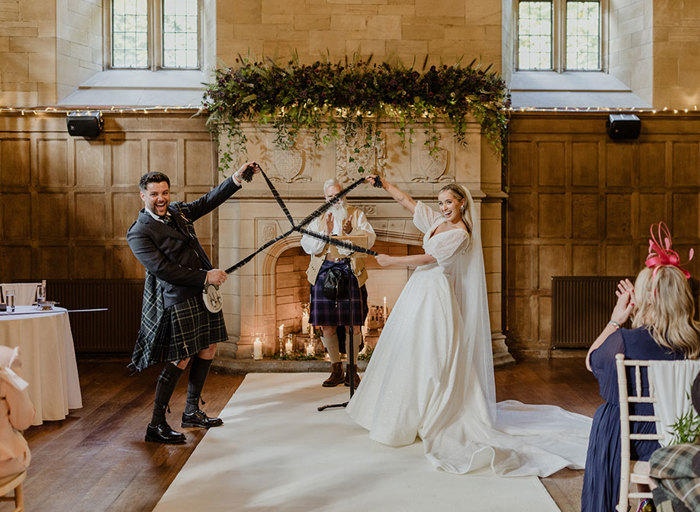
559,38
155,37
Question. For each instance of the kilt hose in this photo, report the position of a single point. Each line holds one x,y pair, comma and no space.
351,310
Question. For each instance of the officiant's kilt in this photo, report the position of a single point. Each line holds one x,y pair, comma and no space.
349,311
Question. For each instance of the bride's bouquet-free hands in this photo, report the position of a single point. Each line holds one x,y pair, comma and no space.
384,260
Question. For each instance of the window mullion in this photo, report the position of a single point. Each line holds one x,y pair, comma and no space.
559,36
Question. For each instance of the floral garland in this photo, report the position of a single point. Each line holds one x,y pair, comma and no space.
344,99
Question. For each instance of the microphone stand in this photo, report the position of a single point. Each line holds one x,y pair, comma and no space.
351,368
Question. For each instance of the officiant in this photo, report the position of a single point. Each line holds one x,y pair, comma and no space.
340,220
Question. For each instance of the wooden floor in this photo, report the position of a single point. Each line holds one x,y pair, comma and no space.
96,459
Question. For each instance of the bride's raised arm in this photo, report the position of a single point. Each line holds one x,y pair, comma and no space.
401,197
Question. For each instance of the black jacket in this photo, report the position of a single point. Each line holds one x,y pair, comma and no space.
174,255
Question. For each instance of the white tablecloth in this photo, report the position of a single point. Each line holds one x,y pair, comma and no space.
48,359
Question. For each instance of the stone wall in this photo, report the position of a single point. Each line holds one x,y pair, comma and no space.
79,43
676,53
631,52
444,30
27,52
582,204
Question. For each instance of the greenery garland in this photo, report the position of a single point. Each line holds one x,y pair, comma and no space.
347,99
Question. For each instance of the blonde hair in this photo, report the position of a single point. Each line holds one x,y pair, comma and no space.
666,307
459,192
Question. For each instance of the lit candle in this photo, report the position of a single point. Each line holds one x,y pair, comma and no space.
288,346
257,349
282,331
310,350
384,308
304,321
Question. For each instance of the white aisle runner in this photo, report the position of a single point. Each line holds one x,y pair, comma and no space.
276,452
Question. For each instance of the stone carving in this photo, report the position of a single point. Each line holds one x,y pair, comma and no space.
369,209
351,155
269,231
287,164
432,168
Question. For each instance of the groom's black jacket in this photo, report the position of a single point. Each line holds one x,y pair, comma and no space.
173,254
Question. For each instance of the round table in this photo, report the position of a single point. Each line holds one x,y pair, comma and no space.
48,359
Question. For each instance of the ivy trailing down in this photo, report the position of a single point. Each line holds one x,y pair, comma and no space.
344,99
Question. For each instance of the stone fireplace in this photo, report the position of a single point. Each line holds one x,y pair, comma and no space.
271,289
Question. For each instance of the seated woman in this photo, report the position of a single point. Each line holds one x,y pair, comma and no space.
16,414
663,328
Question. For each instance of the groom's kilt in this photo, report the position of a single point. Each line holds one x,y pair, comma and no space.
351,310
181,331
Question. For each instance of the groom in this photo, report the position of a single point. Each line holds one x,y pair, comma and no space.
340,219
175,324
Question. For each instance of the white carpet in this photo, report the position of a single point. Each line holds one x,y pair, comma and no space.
276,452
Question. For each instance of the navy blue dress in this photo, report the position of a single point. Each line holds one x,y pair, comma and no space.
601,481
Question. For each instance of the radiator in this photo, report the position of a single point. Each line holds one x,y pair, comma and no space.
112,331
581,307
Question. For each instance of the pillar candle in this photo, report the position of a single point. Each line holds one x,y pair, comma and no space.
304,322
288,347
310,350
384,308
257,349
282,331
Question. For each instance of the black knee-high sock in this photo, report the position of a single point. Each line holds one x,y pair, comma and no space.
198,374
164,390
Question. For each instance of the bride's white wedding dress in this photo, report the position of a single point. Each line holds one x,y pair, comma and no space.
431,373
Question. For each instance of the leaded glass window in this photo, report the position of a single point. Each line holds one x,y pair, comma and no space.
559,35
535,35
129,33
180,34
154,34
583,36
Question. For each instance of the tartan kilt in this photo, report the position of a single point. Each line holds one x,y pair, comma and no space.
349,311
184,329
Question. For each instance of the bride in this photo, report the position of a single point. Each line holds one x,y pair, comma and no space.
431,373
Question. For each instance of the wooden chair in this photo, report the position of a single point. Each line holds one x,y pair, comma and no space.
632,472
13,483
682,374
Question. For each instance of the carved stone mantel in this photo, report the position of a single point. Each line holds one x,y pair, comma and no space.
252,216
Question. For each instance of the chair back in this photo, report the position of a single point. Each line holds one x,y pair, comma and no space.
682,372
25,293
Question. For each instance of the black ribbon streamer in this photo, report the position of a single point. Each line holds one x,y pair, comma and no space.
300,226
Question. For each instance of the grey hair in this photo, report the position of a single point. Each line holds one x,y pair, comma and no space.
330,183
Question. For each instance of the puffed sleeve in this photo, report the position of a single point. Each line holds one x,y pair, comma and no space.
19,404
424,216
450,245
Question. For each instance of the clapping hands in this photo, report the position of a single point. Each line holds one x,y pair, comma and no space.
625,302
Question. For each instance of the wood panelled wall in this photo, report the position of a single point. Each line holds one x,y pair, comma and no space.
582,204
66,203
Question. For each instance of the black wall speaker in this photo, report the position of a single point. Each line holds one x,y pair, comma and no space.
84,123
623,126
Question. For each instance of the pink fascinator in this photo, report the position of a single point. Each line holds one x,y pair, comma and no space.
660,252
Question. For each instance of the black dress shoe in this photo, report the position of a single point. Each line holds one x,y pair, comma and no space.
198,419
162,433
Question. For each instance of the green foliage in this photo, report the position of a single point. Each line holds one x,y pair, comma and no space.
366,355
686,429
345,99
